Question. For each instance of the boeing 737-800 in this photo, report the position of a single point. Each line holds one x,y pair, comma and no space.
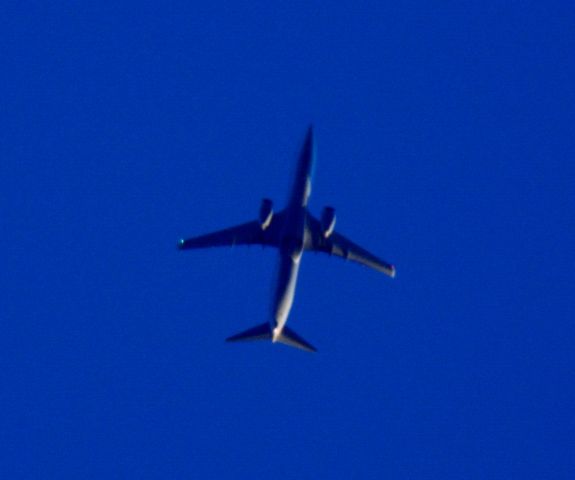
293,231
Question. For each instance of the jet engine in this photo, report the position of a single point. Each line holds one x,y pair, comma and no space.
266,213
327,221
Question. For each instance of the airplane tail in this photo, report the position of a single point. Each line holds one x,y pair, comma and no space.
289,337
264,332
261,332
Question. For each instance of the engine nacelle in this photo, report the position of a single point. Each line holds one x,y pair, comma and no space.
266,213
327,221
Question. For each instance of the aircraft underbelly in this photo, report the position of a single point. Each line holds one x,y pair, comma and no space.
285,291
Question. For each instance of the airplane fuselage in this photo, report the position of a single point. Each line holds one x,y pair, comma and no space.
293,241
290,255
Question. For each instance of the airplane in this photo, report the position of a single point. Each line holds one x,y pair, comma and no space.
293,231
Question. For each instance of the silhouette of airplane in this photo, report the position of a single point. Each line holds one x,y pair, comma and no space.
292,231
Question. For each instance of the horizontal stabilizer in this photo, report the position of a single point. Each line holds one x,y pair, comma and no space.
261,332
289,337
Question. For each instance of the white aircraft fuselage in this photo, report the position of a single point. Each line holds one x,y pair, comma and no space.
293,240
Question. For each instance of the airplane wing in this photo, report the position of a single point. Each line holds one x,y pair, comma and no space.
340,246
249,233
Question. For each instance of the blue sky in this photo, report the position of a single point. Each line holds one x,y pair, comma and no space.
445,143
